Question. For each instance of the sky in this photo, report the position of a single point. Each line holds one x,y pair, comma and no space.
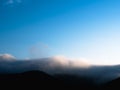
86,29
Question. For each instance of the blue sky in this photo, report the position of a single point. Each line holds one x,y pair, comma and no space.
74,28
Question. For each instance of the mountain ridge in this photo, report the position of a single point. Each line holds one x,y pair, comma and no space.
40,80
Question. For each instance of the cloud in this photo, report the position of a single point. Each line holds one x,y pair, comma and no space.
60,65
6,57
39,50
11,2
67,62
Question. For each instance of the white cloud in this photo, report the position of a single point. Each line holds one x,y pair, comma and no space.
64,61
60,65
6,57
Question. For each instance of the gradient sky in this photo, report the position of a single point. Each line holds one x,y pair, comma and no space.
87,29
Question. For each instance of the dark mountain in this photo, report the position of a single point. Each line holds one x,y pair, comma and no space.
30,80
76,82
40,80
112,85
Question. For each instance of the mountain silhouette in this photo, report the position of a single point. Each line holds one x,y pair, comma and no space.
38,80
112,85
30,80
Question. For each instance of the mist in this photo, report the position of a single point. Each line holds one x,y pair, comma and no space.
60,65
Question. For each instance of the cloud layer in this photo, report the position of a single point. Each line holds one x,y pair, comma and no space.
6,57
60,65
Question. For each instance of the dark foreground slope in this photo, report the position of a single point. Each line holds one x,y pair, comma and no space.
28,80
42,81
37,80
112,85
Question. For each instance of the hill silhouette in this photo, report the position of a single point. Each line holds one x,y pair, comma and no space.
30,80
112,85
40,80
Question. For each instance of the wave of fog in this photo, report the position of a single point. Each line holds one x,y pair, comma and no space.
60,65
6,57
